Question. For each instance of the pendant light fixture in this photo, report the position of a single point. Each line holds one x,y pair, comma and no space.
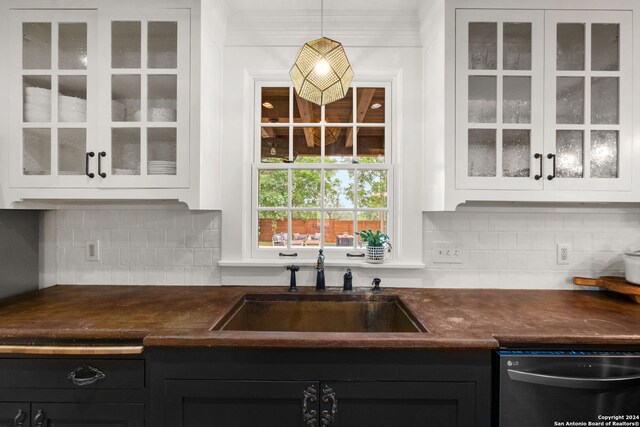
322,73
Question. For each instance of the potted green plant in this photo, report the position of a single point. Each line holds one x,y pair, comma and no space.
376,245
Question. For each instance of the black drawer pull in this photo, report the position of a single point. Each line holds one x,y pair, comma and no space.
86,164
38,420
100,156
284,254
18,421
310,395
355,255
86,375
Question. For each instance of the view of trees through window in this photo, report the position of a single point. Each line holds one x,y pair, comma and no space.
323,173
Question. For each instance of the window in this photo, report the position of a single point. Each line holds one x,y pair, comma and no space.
320,173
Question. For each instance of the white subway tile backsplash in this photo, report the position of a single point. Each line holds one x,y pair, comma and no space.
498,250
507,241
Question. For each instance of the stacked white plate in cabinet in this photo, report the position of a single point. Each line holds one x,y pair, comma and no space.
72,109
161,167
37,104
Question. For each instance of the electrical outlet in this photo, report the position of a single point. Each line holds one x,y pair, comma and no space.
92,250
447,253
563,253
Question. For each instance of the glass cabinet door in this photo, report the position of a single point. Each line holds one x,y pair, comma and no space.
499,102
55,57
148,143
588,136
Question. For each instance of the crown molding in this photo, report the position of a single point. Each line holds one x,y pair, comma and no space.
388,28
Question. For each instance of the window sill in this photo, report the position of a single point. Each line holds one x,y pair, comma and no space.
391,265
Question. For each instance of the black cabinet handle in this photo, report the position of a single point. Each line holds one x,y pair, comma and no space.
86,164
18,421
100,156
310,395
38,420
285,254
86,375
552,156
329,396
355,255
538,156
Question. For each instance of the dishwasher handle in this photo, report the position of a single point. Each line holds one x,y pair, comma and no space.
574,382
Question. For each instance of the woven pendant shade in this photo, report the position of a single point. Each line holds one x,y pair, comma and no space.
322,73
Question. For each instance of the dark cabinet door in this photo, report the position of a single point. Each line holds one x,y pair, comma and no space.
406,404
14,415
87,414
206,403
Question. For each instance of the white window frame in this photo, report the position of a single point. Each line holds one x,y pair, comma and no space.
273,253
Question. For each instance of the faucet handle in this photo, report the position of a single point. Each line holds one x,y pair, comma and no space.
347,285
292,283
376,285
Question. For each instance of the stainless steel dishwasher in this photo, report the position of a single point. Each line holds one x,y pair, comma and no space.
568,388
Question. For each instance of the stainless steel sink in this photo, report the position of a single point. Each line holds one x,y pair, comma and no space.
320,313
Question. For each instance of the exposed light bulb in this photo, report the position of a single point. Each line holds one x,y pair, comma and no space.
273,151
322,67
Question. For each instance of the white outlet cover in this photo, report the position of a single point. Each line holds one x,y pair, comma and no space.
563,254
92,250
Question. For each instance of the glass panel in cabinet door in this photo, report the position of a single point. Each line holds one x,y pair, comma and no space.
605,47
162,100
338,229
72,99
36,98
516,153
36,151
370,105
570,100
162,45
273,229
372,187
307,144
570,50
482,99
125,98
338,188
161,151
482,152
275,105
274,145
604,154
126,41
305,228
569,153
273,186
125,151
605,101
371,146
72,149
72,46
516,54
36,46
516,107
483,45
340,111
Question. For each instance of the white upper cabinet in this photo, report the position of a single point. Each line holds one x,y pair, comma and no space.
538,104
109,103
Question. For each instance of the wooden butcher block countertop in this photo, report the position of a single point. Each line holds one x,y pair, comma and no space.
182,316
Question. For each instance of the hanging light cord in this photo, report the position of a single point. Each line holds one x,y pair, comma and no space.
321,18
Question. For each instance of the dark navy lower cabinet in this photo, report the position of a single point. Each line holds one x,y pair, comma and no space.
72,392
307,388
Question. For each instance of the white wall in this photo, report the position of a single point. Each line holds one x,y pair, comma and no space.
500,249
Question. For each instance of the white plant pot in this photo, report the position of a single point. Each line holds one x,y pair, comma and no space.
374,254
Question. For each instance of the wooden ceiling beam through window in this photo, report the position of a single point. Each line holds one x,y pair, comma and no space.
366,95
307,117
